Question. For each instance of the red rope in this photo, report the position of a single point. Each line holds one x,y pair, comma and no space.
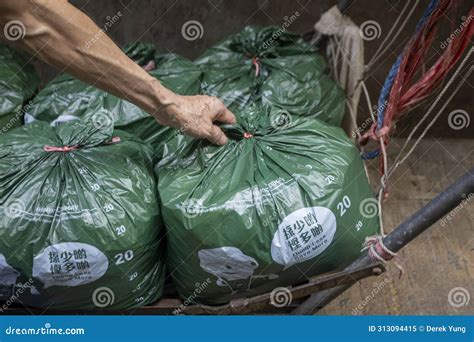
256,63
433,77
149,66
48,148
406,93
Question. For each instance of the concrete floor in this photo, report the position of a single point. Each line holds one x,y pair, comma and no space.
437,262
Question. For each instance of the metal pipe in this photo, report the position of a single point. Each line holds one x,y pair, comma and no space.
459,191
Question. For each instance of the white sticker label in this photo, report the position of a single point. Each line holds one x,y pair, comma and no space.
69,264
303,235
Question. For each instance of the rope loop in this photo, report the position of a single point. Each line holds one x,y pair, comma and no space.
379,252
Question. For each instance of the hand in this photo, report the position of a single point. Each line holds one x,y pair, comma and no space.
195,116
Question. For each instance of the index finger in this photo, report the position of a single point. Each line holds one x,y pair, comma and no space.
226,116
217,137
222,114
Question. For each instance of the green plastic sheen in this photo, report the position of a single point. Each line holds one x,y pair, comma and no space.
78,229
140,52
276,205
18,82
291,74
66,98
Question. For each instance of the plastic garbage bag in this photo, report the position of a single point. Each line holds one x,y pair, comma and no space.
276,205
80,225
18,83
275,68
141,53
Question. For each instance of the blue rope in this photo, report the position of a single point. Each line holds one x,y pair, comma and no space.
371,154
426,15
387,86
388,83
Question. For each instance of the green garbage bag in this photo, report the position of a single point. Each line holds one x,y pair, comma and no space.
274,206
79,228
18,83
141,53
275,68
66,98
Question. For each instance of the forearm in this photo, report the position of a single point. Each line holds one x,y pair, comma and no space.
61,35
66,38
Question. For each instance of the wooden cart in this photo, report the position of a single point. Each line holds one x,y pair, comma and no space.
311,296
